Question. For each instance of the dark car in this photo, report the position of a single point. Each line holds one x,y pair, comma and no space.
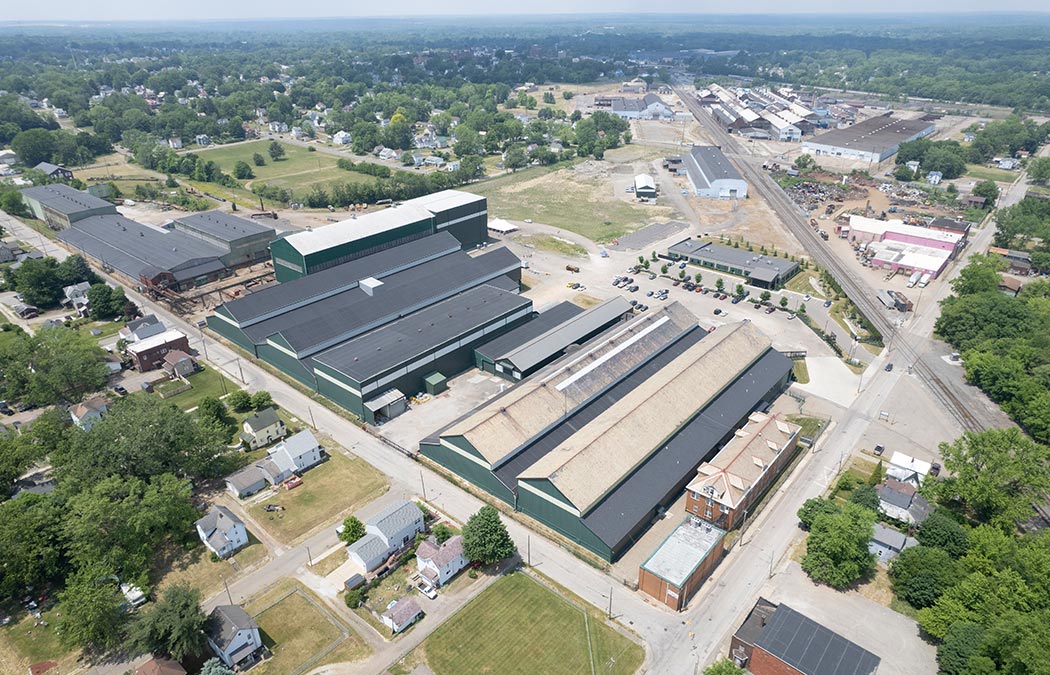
737,299
889,367
717,311
23,407
770,310
758,306
675,282
120,390
879,449
827,303
935,469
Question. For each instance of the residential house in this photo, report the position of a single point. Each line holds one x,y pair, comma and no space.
178,363
203,139
8,157
341,138
160,665
36,483
262,428
434,161
25,311
387,532
148,354
298,133
291,457
388,154
7,252
278,127
140,329
401,615
440,562
175,143
234,636
887,543
86,414
1009,285
222,532
907,469
452,166
1009,164
54,171
76,296
900,501
934,177
417,159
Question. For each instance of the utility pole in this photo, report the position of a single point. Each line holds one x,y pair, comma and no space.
528,550
311,411
309,557
241,370
228,596
610,602
204,345
423,485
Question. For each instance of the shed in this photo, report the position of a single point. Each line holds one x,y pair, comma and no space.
388,405
354,581
435,383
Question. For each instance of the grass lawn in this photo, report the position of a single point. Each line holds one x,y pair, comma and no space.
554,245
800,283
297,629
195,567
206,382
108,328
499,630
337,485
561,197
329,563
40,226
811,426
801,372
989,173
22,643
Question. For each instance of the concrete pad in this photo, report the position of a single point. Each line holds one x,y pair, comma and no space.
831,379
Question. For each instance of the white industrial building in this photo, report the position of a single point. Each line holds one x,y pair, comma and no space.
711,174
872,140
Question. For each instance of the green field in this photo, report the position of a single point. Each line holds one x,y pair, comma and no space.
498,632
206,382
988,173
554,245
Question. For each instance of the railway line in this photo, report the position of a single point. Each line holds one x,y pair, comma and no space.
859,293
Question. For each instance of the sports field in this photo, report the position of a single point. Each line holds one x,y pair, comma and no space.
517,626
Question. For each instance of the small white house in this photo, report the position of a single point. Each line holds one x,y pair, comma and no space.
401,615
292,456
234,636
908,469
222,532
85,415
175,143
440,562
341,138
388,531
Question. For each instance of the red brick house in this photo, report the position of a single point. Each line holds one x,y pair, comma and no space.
148,354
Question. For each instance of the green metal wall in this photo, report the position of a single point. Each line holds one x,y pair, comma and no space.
286,364
231,333
561,521
280,248
464,468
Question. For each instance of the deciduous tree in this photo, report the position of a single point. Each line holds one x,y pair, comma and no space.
485,537
353,529
174,625
837,548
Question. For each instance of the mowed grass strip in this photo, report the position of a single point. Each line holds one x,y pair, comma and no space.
328,489
516,626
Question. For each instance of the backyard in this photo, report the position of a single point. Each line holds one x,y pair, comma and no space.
499,630
989,173
300,632
206,382
23,642
337,485
195,567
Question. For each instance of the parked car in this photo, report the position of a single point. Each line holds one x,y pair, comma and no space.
807,297
651,276
889,367
879,449
649,294
791,316
770,310
935,469
633,289
737,300
676,282
681,266
827,303
718,311
427,591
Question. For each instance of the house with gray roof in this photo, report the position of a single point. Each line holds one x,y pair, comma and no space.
54,171
438,563
246,482
234,636
290,457
369,552
900,501
386,533
142,328
262,428
887,543
401,615
222,532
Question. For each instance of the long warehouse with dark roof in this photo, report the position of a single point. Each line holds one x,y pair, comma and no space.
340,331
594,444
872,140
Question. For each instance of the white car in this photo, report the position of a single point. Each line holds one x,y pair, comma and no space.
807,297
427,591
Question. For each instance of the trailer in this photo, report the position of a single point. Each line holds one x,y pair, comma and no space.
925,280
914,279
902,302
887,299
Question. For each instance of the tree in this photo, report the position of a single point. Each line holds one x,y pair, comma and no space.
12,203
214,666
940,530
276,151
765,296
442,533
805,161
987,189
1019,642
54,364
921,574
174,625
663,269
105,302
515,159
980,275
997,474
261,399
961,642
353,529
813,507
681,274
978,598
30,541
485,537
240,401
866,496
739,290
720,284
783,301
837,548
1039,169
903,173
37,282
241,171
698,277
258,160
91,612
724,666
34,146
212,408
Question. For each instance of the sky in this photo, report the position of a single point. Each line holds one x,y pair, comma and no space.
59,11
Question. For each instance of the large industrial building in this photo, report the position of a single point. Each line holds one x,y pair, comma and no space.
595,443
711,174
761,271
462,214
359,331
245,241
59,205
872,140
146,255
893,246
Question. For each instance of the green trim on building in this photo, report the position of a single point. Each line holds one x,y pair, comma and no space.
464,467
558,519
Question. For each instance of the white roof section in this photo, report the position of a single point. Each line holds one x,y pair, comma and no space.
881,227
155,341
908,463
445,199
353,229
644,180
683,551
910,255
502,226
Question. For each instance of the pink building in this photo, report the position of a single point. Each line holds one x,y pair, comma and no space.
871,230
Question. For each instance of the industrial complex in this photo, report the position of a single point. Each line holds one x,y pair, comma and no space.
463,215
872,140
761,271
594,444
899,248
711,175
59,205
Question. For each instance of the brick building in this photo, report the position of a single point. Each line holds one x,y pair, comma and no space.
149,354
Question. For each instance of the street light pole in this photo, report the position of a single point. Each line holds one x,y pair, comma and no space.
423,485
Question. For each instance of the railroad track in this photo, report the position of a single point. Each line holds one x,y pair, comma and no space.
859,293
